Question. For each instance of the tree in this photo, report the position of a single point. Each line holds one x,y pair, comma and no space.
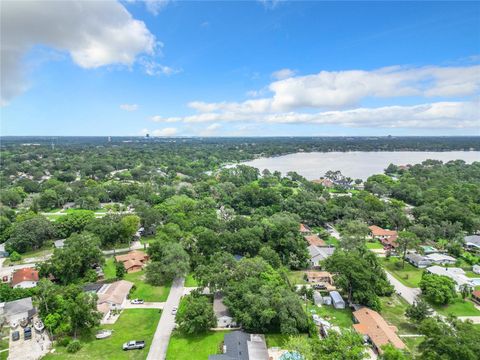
406,240
347,345
173,263
81,310
73,262
75,221
29,234
120,270
418,311
195,314
449,339
216,272
354,233
437,289
301,345
465,291
360,275
390,352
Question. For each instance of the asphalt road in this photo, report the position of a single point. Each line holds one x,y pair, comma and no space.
158,349
408,293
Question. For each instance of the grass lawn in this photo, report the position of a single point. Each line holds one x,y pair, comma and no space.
146,291
393,311
109,268
45,250
194,347
296,277
412,344
340,317
190,281
409,276
374,245
133,324
458,308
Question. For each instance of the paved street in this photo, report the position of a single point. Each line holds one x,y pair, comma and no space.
158,349
409,294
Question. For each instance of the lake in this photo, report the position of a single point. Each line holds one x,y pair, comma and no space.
357,165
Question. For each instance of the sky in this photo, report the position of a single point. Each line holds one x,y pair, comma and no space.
246,68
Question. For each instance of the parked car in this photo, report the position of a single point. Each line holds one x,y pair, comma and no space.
174,310
136,301
134,345
319,287
15,335
27,333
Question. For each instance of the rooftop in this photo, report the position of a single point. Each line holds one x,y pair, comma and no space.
114,293
378,231
314,240
25,274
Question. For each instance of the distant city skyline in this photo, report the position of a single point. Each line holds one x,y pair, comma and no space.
251,68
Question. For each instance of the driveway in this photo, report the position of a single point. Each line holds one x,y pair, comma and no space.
145,305
408,293
158,349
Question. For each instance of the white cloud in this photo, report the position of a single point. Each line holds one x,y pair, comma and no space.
94,33
169,131
210,130
283,74
129,107
429,115
156,6
153,68
269,4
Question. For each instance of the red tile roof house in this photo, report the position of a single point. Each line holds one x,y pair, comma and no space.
25,278
387,237
305,230
133,261
376,330
476,296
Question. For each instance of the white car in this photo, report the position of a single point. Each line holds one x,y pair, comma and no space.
174,310
136,301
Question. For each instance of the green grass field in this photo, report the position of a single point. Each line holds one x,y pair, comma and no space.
296,277
458,308
340,317
374,245
45,250
143,290
393,311
409,276
146,291
133,324
194,347
190,281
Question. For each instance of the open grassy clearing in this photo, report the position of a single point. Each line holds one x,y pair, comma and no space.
340,317
194,347
459,308
374,245
296,277
190,281
133,324
409,276
393,311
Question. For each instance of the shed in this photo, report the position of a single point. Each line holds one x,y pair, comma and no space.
337,300
317,298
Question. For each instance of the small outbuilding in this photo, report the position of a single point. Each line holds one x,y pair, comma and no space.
337,300
317,298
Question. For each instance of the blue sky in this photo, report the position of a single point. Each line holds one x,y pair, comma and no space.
175,68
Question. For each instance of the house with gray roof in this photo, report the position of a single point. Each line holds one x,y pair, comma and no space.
238,345
17,310
224,318
418,260
318,254
472,242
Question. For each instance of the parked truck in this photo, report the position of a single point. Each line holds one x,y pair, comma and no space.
134,345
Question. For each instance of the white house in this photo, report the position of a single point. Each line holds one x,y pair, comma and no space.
441,259
25,278
456,274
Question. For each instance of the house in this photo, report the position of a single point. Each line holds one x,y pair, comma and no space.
418,260
324,182
59,244
17,310
387,237
25,278
318,254
337,300
476,296
305,230
224,318
113,297
238,345
317,298
133,261
375,329
314,240
441,259
426,249
456,274
472,242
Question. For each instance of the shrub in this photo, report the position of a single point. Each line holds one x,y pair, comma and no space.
74,346
63,341
15,256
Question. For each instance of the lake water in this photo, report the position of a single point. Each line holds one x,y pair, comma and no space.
357,165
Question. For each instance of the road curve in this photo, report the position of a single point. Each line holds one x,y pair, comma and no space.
158,349
408,293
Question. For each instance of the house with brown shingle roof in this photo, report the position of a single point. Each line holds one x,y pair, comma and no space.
376,330
476,296
25,278
314,240
133,261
